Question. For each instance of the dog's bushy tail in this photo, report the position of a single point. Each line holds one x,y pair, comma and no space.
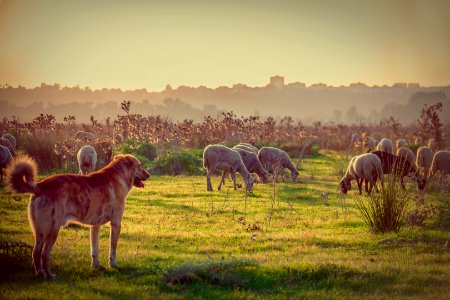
21,175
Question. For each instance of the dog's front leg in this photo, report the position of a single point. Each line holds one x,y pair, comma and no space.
114,237
95,230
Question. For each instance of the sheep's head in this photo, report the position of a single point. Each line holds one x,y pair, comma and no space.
249,181
265,177
421,182
294,175
345,185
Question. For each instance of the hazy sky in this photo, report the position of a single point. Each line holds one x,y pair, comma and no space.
148,44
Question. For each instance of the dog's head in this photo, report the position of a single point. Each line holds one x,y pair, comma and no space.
137,173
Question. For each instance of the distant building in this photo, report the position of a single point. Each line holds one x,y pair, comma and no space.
413,85
277,81
402,85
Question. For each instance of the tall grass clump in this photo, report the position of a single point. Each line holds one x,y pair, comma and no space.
41,149
385,211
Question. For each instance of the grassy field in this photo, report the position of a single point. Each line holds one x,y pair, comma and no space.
179,241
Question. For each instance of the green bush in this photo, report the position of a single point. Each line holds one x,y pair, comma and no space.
41,149
176,162
385,211
147,150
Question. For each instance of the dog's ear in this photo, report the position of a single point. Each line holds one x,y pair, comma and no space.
119,156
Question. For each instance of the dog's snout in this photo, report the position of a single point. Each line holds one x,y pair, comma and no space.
146,174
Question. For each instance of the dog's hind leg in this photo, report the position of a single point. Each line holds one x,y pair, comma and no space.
37,254
50,240
38,237
114,237
95,230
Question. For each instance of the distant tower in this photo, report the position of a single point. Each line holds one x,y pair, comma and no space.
277,81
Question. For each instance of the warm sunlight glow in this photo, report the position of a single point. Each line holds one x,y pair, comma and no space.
148,44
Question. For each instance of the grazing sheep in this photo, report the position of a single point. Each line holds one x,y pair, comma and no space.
247,147
386,145
424,159
272,157
85,137
6,143
87,158
252,163
441,163
219,157
11,138
399,166
355,138
370,142
407,153
401,143
366,167
5,159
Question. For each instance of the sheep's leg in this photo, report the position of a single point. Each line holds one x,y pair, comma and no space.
365,185
402,182
370,187
224,173
359,183
208,180
233,176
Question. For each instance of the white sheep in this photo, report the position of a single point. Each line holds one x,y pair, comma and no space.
6,143
252,163
277,160
87,158
370,142
247,147
366,167
407,153
219,157
386,145
400,143
424,159
11,138
441,163
5,159
85,136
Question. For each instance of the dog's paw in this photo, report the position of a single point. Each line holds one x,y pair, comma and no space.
113,263
41,274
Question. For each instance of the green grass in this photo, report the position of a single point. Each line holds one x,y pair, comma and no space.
179,241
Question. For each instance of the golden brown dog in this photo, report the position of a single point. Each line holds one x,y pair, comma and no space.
92,200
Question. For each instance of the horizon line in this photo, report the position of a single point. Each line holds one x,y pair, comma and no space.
399,84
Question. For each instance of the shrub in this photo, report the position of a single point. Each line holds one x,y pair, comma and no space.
147,150
41,149
180,162
385,211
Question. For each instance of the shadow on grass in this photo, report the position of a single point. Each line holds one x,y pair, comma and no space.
208,278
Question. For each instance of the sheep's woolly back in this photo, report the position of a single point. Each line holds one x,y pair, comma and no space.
400,143
10,138
441,162
386,145
21,175
5,156
407,153
424,157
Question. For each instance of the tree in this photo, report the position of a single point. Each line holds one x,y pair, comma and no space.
430,124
